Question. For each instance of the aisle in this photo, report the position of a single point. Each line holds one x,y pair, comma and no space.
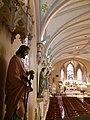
53,112
62,110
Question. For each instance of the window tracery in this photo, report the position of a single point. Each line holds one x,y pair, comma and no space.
73,71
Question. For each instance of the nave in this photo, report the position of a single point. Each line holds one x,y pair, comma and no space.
58,34
68,108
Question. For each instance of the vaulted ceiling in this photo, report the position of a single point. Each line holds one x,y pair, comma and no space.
65,26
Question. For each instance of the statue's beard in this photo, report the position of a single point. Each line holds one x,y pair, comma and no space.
23,56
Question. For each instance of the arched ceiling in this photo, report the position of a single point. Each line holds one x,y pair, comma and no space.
65,26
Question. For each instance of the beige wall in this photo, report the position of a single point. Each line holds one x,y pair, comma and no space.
32,101
57,67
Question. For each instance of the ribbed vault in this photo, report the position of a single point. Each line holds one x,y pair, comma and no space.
65,27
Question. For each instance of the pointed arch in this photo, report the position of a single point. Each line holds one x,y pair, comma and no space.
70,72
79,74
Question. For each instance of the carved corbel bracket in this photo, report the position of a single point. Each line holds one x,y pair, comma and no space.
20,29
15,14
20,20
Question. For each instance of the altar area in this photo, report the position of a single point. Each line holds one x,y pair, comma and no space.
72,99
72,88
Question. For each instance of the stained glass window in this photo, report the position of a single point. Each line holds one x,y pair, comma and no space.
62,74
79,74
70,73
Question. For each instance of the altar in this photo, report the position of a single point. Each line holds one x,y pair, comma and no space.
71,88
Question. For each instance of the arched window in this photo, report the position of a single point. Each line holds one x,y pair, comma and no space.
62,74
70,72
79,74
73,70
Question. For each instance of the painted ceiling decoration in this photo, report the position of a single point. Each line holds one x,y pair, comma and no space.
45,6
65,27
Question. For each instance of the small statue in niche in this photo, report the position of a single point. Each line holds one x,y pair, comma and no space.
42,82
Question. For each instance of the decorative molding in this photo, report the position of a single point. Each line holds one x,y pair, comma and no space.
46,5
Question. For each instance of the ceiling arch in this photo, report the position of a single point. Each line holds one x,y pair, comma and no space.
66,30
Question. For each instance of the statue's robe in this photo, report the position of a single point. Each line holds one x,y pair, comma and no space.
15,85
42,83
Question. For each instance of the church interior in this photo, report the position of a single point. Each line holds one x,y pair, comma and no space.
58,34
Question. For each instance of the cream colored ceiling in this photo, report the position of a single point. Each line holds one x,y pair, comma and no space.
66,29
